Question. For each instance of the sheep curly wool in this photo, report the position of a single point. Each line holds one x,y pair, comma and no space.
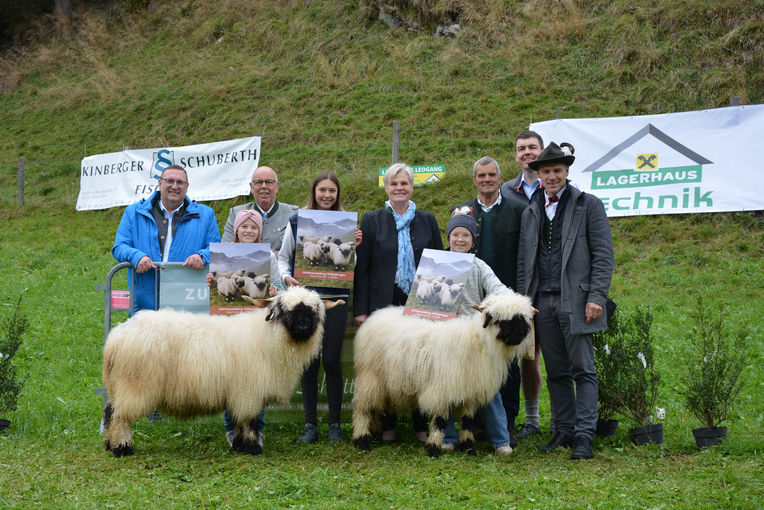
188,364
403,362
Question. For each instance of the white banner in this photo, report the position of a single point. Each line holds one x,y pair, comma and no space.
689,162
215,171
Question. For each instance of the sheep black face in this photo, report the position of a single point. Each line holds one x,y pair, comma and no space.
512,331
301,321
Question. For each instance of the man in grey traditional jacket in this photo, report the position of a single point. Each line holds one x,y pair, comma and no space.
265,187
565,264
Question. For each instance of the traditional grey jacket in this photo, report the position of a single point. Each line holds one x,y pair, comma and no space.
587,256
273,226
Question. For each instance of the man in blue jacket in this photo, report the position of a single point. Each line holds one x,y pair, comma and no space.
166,227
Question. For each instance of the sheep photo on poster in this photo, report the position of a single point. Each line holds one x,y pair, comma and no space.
437,288
240,274
325,248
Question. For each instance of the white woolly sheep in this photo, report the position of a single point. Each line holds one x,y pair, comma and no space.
253,287
226,287
427,291
441,367
189,364
447,295
312,253
339,255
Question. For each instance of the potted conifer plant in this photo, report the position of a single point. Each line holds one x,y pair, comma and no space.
13,327
712,380
634,385
608,377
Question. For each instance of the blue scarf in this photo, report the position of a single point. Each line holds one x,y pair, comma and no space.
406,269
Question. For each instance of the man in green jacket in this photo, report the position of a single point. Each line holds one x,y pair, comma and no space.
496,244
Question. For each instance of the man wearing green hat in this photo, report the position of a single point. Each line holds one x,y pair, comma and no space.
565,264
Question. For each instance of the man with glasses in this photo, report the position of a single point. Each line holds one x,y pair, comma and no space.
165,227
265,187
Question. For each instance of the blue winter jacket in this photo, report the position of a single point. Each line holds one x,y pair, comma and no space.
137,236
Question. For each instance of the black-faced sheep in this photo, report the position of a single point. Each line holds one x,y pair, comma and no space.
226,287
339,255
447,295
441,367
254,287
313,253
188,364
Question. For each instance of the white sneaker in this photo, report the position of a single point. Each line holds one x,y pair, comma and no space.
449,447
229,437
504,450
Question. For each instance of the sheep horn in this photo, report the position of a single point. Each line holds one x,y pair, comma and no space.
478,308
534,311
329,304
260,303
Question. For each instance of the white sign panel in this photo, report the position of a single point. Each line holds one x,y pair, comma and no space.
689,162
215,171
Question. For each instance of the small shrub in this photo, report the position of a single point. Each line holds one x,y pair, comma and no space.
608,368
714,364
10,387
629,382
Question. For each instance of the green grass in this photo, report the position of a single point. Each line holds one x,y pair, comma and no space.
323,83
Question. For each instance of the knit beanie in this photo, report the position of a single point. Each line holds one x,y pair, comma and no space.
462,220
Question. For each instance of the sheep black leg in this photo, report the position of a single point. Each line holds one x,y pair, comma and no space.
435,439
363,443
245,438
466,437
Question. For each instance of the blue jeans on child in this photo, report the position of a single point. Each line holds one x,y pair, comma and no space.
230,424
495,419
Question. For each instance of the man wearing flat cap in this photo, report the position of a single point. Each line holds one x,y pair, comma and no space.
565,264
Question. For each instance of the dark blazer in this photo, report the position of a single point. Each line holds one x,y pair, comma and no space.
506,236
587,256
377,256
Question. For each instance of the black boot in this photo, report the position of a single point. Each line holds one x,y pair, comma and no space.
559,439
582,448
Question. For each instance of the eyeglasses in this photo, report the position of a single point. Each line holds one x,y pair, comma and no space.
267,182
173,182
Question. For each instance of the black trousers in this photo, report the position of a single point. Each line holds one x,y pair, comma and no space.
331,354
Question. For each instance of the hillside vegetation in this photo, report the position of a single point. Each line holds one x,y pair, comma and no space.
322,83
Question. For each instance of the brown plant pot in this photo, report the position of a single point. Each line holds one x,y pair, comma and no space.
646,435
709,437
4,424
606,428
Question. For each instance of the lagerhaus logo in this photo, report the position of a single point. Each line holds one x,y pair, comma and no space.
651,158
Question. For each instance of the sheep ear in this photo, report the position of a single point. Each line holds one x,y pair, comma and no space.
329,304
478,308
488,319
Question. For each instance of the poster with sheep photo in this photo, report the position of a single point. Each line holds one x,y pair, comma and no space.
437,288
325,248
239,274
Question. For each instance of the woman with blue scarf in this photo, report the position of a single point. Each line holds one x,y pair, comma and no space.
393,240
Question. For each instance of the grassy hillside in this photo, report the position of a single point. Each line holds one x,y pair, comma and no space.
322,82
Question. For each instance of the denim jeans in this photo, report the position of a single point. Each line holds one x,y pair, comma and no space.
495,419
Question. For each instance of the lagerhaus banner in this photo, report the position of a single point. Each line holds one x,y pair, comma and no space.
688,162
215,171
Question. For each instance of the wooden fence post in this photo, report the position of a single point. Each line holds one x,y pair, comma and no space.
21,181
396,140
